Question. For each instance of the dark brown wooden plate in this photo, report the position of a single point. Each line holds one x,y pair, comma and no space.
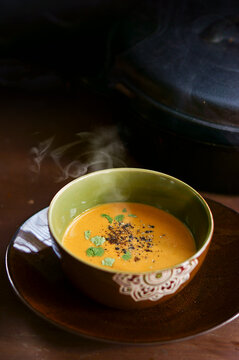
209,301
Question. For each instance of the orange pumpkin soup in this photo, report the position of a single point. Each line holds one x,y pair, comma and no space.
129,237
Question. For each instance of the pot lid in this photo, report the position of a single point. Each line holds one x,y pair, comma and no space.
184,56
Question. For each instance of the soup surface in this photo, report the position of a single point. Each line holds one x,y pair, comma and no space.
130,237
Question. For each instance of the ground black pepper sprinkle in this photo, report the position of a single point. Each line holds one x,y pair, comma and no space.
122,235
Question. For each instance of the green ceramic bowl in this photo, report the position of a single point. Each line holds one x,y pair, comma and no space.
120,289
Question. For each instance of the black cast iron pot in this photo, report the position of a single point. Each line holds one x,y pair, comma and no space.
178,68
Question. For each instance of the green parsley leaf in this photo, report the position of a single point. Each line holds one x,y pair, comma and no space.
126,256
107,217
95,251
132,215
87,234
98,240
124,210
119,218
158,275
108,261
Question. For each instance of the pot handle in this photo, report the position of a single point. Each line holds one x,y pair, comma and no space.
223,30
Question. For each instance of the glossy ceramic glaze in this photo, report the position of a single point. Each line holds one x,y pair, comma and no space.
191,312
131,290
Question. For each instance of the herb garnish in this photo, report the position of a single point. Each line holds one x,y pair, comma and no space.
132,215
87,234
124,210
98,240
95,251
109,218
119,218
108,261
126,256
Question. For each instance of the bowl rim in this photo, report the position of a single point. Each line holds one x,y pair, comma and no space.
127,169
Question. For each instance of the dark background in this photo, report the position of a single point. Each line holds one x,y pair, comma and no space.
55,61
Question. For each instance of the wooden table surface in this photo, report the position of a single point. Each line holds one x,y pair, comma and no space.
36,160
